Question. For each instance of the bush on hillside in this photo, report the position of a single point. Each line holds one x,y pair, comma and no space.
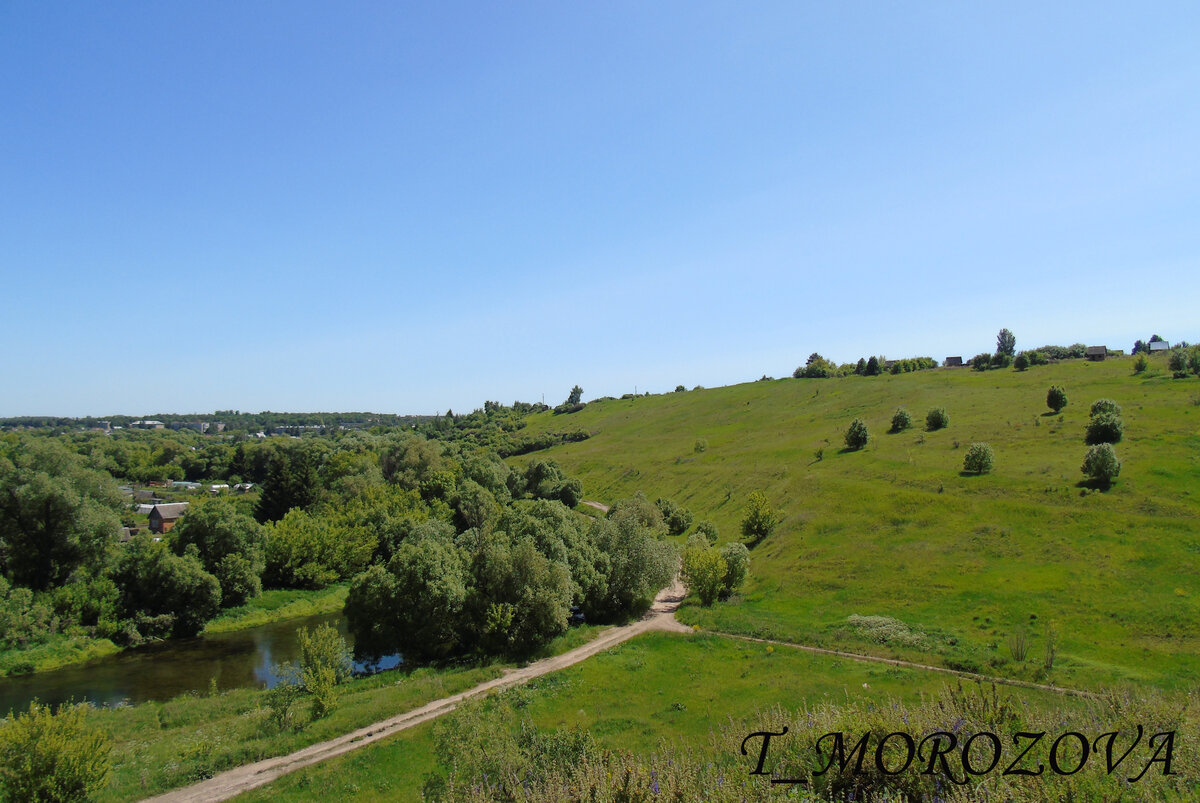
979,459
1105,406
759,520
677,517
901,420
937,419
1021,362
1105,428
1101,465
1056,398
708,530
1140,364
737,566
856,435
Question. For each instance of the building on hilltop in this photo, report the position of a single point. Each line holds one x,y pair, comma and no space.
1097,353
953,362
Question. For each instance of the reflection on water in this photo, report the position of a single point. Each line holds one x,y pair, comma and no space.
247,658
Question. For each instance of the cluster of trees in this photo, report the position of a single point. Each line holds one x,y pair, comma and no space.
508,586
331,508
817,367
1185,360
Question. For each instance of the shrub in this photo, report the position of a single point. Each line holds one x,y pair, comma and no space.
677,517
1177,361
1101,464
901,420
704,572
759,520
856,435
324,648
52,756
708,530
1021,362
737,566
680,389
981,362
701,446
937,419
1140,364
1105,428
979,458
1056,398
1105,406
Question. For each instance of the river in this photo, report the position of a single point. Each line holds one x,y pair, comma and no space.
160,671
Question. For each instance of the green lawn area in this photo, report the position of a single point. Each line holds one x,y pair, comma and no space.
967,563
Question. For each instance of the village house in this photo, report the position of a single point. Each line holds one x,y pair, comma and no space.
953,362
1097,353
163,517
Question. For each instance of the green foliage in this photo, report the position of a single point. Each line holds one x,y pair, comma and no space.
633,563
167,590
1104,428
704,573
229,544
281,700
324,648
979,458
677,517
708,530
1101,465
1006,343
414,604
1056,398
1021,362
817,367
56,514
1140,364
575,396
873,367
52,756
1105,406
856,435
981,362
759,520
901,420
737,567
312,551
292,482
680,389
937,419
701,446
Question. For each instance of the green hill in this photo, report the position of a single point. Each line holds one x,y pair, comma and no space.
968,567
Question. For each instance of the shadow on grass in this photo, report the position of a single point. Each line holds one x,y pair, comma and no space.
972,473
1095,485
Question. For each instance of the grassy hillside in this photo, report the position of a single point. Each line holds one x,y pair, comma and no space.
965,564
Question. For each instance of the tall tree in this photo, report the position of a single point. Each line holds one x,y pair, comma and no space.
1006,343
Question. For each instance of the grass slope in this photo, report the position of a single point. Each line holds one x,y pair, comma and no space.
964,563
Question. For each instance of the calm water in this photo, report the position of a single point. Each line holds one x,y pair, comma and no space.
246,658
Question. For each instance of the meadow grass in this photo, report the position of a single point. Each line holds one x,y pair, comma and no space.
657,691
278,605
897,529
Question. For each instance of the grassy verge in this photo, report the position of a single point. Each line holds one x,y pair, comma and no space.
654,692
61,650
280,604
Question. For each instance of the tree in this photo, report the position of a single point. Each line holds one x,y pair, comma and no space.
901,420
52,756
1021,363
174,589
230,545
413,605
860,368
1101,465
856,434
1006,343
704,572
709,531
632,562
936,419
292,482
680,389
737,566
55,514
872,368
759,520
1105,406
677,517
1056,398
979,458
1104,428
576,395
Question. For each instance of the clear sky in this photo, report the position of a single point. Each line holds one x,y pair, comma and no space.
408,207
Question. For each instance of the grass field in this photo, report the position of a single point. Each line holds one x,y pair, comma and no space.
657,691
965,564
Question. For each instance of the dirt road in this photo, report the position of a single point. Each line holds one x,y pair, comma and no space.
661,616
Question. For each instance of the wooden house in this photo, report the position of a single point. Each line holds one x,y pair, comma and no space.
163,517
1096,353
953,362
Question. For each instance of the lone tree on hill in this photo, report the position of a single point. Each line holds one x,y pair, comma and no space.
856,435
576,395
1056,398
759,520
1006,343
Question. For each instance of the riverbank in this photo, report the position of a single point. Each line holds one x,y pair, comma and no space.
277,605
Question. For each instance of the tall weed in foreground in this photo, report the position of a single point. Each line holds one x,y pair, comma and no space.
482,757
52,755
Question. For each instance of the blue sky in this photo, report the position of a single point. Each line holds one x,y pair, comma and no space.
407,208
